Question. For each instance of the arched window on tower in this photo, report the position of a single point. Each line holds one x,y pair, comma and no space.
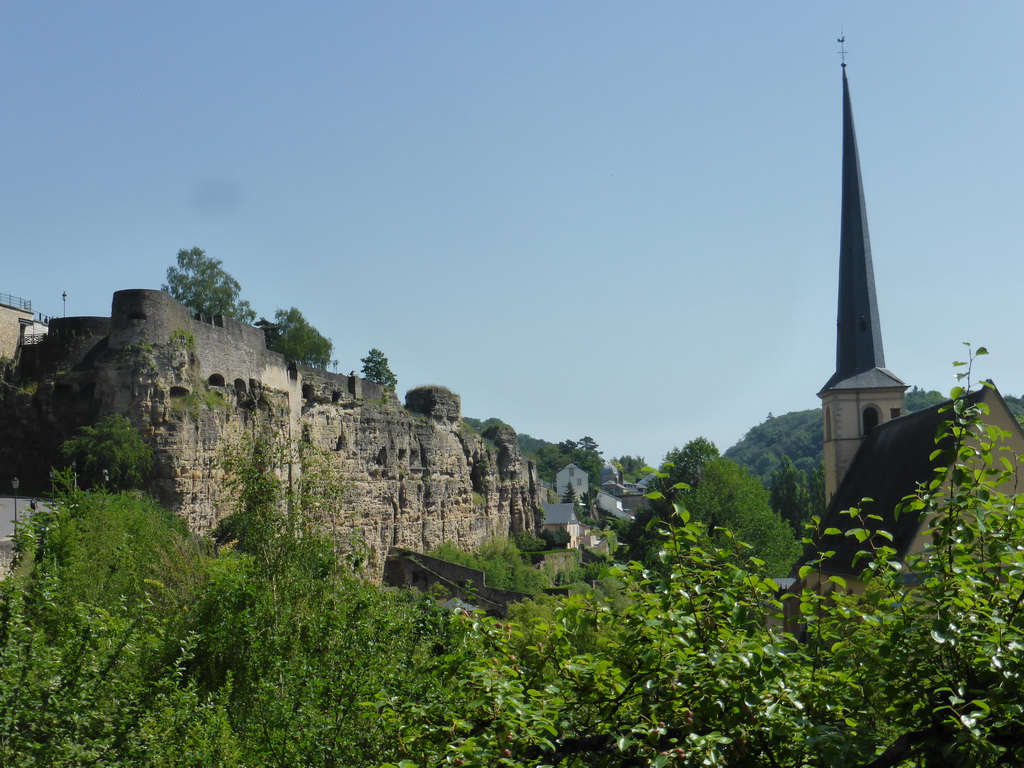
870,419
828,424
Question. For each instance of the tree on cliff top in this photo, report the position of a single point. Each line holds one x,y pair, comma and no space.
201,284
376,369
293,336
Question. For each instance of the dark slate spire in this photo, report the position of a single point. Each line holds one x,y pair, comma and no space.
858,332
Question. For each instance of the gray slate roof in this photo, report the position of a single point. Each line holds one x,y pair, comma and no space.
560,514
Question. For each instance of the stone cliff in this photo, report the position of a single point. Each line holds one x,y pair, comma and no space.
411,476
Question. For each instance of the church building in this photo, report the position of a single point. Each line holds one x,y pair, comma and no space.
875,456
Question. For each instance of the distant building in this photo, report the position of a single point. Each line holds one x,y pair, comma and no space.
562,517
571,475
611,505
19,325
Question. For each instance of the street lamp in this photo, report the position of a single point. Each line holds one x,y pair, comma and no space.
65,297
106,477
74,471
14,485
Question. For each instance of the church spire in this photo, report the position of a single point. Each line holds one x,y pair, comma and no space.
861,393
858,331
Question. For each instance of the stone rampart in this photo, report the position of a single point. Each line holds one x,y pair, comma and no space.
70,345
319,386
231,350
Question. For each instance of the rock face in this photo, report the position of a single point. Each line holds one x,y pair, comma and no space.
198,387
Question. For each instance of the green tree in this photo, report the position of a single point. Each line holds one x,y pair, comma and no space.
114,445
790,496
730,501
202,284
295,338
569,495
632,467
376,369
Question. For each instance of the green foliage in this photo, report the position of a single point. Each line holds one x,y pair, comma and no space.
583,453
918,399
569,495
797,435
501,562
791,497
525,541
720,495
124,641
632,467
555,538
201,284
695,666
183,338
376,369
112,444
293,336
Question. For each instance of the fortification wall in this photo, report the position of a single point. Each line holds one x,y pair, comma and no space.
319,386
70,345
231,349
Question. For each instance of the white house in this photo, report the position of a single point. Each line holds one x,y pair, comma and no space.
611,505
571,475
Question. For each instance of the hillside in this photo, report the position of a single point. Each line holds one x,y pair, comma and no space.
798,435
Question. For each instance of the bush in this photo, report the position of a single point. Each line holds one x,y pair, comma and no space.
112,444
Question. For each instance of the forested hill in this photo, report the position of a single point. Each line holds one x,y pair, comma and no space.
798,435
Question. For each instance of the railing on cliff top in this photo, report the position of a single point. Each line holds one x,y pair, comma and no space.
15,301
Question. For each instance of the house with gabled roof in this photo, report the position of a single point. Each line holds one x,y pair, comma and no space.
562,517
572,476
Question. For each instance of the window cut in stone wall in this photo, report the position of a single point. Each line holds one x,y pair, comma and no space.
215,380
179,391
871,418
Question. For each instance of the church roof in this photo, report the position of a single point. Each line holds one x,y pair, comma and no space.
858,331
893,460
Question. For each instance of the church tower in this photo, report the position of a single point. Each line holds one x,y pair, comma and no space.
861,393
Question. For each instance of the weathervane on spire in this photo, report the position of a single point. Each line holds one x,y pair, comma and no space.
842,47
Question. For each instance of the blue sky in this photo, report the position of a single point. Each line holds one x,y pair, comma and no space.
611,219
